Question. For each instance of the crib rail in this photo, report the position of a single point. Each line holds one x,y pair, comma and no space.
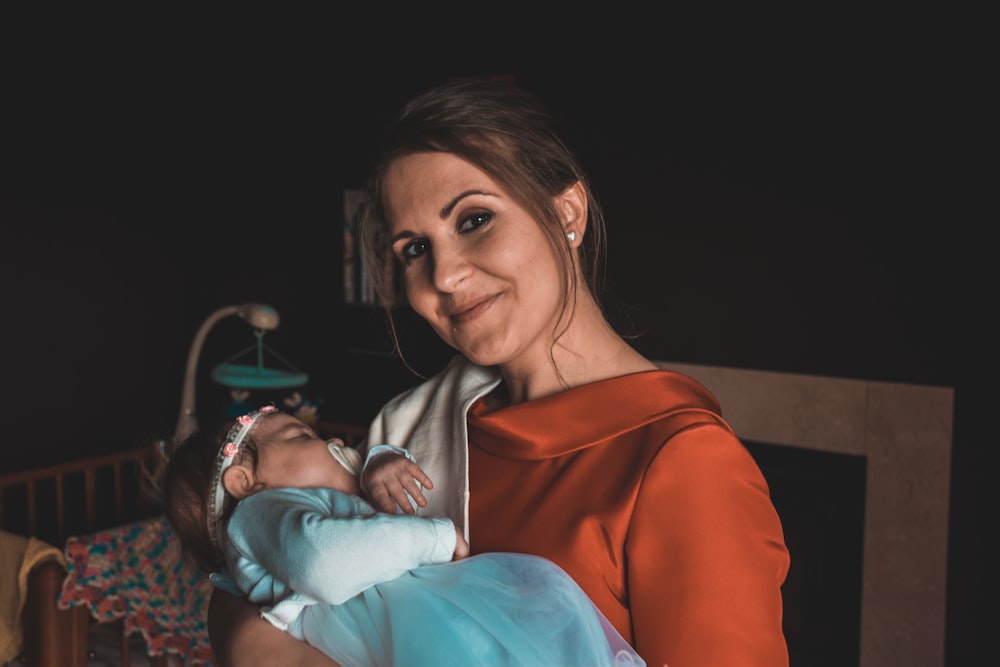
77,497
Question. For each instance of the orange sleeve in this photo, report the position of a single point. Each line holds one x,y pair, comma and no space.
707,557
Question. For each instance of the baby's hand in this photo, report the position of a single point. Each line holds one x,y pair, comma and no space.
461,546
390,477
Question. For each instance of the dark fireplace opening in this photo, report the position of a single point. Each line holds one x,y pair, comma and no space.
820,497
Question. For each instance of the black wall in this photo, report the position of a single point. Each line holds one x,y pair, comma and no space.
794,209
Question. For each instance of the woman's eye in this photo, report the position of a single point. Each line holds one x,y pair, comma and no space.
474,221
414,249
417,247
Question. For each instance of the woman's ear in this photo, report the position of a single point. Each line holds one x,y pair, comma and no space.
572,206
237,480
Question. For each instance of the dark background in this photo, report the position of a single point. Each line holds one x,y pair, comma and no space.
786,195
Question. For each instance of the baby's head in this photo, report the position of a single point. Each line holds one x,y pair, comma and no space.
209,472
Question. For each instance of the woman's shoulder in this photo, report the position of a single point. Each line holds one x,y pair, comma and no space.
661,389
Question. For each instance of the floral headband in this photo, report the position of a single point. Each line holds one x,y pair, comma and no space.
232,446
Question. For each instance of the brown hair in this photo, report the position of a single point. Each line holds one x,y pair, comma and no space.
510,134
186,487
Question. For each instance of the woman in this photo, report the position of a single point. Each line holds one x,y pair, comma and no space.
548,433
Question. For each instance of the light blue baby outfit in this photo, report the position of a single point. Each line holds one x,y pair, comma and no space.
369,588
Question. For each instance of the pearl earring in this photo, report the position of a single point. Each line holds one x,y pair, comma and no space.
571,236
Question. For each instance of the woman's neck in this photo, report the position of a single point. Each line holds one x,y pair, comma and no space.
589,351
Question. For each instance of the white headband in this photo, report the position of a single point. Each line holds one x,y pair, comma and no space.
232,446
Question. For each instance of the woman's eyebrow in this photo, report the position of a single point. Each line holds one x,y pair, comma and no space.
450,206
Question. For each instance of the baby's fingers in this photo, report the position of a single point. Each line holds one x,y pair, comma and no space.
421,476
413,489
383,500
401,495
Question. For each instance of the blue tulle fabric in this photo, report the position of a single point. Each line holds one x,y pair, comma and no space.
490,609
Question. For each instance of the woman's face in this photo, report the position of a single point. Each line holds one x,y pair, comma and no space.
475,264
290,453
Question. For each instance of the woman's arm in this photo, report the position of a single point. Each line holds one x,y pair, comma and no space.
706,557
240,637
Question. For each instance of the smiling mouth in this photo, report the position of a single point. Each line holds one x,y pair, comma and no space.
473,311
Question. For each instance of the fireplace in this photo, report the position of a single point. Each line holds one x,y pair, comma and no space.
820,497
889,445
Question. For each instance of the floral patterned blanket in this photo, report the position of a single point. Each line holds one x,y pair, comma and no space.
136,572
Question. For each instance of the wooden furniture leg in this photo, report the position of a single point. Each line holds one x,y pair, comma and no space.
53,637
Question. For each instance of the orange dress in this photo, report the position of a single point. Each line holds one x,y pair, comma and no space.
639,489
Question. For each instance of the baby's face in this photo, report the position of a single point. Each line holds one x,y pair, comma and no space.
291,454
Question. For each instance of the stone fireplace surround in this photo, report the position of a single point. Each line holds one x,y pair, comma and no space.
904,431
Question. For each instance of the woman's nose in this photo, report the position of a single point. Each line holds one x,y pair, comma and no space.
450,269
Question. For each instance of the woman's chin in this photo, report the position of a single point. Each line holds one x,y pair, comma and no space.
484,354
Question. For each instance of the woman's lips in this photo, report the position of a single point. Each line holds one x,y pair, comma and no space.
467,313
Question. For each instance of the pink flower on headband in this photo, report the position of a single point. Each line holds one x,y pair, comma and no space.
230,449
244,419
267,408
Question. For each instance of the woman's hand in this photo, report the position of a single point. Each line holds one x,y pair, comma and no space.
241,638
392,479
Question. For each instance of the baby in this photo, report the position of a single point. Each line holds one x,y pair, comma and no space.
280,511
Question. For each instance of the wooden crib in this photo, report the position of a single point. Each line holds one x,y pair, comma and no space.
68,504
52,503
